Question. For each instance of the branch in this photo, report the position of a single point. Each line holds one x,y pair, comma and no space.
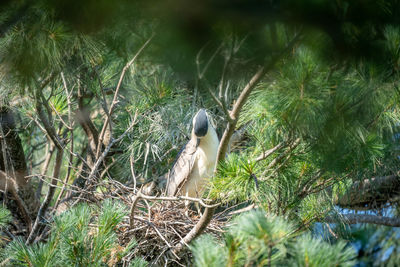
49,155
48,126
43,208
365,218
179,198
269,152
114,101
196,230
104,154
107,149
281,156
234,114
71,148
363,194
254,81
133,206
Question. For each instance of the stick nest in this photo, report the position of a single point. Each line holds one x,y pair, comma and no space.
158,227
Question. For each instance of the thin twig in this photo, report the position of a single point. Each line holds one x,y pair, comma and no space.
105,152
133,206
43,208
115,98
180,198
269,152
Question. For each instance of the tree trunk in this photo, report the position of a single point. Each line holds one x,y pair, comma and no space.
12,162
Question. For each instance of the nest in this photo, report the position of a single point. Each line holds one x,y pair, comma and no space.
160,226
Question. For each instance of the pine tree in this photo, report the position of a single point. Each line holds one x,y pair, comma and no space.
105,105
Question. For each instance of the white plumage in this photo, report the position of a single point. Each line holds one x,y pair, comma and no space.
195,165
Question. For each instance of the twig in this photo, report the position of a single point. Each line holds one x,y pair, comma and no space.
114,101
269,152
106,151
365,218
133,206
71,149
179,198
281,156
49,155
46,202
133,171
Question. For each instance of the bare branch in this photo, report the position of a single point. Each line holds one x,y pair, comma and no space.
71,149
276,160
43,208
269,152
49,155
115,98
179,198
234,114
365,218
131,160
106,151
133,206
196,230
370,192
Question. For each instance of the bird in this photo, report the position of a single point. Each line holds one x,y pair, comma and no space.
195,164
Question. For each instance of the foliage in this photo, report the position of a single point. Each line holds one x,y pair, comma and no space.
330,105
260,239
82,236
5,217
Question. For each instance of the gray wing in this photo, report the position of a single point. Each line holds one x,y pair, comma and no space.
182,168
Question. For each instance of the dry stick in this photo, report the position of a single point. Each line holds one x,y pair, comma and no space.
132,214
49,197
46,164
196,231
160,235
365,218
114,101
104,154
133,172
179,198
269,152
71,149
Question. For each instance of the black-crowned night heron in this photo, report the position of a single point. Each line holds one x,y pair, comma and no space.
195,165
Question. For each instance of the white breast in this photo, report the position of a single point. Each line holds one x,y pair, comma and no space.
206,155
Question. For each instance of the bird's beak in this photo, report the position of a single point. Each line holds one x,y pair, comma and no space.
197,142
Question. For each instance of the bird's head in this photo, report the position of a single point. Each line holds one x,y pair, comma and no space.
201,124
